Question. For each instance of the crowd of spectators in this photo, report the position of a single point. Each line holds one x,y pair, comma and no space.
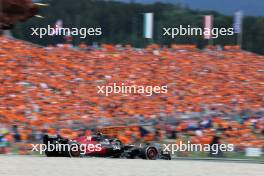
54,89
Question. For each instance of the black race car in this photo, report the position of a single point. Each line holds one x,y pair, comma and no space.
100,146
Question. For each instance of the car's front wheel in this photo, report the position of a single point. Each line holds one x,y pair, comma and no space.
151,153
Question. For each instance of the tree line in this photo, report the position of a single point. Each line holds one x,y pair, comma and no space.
122,23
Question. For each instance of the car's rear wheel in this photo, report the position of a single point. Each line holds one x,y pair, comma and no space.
74,150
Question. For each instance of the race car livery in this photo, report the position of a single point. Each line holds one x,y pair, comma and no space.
101,146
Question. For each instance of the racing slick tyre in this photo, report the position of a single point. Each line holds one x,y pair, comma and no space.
151,153
74,150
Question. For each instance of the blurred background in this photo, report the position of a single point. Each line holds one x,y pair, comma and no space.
122,23
49,85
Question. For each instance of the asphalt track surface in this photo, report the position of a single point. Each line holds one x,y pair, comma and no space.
42,166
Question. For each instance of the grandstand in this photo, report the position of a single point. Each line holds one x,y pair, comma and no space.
54,89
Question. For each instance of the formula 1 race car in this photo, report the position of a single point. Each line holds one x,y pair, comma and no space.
100,146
